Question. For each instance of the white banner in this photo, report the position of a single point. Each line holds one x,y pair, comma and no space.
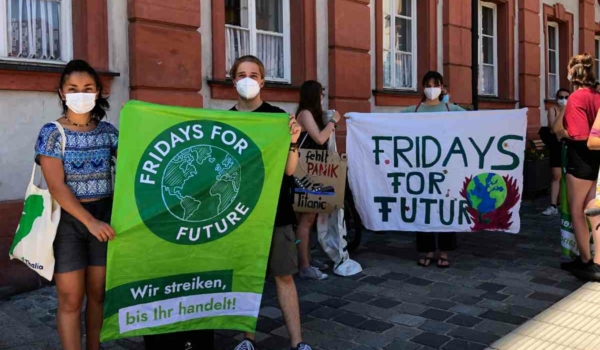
437,172
163,312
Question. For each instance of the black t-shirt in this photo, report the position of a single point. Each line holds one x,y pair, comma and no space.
285,207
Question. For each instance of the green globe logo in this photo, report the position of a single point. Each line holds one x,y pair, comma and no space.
200,167
486,192
189,187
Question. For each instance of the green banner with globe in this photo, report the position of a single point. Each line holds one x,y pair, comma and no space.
194,207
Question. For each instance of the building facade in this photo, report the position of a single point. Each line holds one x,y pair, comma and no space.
369,54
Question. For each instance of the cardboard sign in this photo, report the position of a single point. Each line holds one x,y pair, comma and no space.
320,181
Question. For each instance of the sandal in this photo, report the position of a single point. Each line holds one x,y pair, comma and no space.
441,261
425,262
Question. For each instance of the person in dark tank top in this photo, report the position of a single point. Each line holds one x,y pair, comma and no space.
315,134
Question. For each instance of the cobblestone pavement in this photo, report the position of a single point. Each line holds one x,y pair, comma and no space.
497,282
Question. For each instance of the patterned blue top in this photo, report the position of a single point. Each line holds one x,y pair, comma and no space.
87,160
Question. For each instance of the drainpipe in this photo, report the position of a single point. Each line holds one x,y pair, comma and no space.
475,53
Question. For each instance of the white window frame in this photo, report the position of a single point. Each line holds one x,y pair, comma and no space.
393,52
287,66
66,36
494,8
597,55
551,96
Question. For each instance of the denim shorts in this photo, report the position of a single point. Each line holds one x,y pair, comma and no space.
75,248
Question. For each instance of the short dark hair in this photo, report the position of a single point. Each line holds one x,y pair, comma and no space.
81,66
563,90
436,76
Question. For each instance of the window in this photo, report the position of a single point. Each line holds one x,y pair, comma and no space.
260,28
36,30
597,52
553,59
399,44
488,53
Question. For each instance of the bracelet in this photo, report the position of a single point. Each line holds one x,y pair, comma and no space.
293,149
332,121
294,144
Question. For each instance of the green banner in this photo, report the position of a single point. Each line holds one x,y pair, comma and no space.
569,250
195,200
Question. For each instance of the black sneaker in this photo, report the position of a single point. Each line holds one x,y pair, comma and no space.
591,272
574,265
302,346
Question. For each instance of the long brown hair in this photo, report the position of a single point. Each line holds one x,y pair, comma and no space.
310,100
583,70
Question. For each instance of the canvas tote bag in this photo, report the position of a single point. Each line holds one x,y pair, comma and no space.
37,228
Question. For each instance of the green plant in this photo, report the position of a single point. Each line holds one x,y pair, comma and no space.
533,152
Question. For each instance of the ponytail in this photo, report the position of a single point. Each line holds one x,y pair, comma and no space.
583,67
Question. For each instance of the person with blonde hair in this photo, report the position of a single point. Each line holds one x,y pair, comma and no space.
582,163
248,75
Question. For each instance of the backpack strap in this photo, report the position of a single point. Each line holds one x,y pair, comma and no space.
419,105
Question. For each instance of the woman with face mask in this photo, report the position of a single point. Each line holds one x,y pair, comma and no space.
551,141
433,86
80,180
315,134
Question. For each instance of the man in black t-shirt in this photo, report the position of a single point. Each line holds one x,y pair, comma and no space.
248,74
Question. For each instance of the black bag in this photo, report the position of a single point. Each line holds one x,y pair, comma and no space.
548,138
190,340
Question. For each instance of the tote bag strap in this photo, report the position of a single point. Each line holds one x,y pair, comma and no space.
63,140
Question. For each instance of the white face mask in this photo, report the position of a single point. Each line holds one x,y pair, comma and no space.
247,88
80,103
562,102
433,93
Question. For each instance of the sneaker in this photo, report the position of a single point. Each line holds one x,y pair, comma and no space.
302,346
246,344
591,272
574,265
319,264
550,211
312,273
